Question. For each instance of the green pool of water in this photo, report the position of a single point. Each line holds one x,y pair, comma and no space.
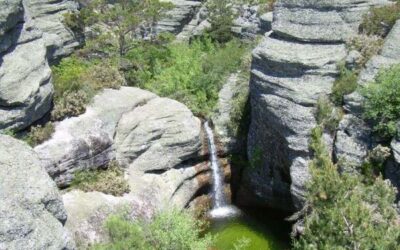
252,231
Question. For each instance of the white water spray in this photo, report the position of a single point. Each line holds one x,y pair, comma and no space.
220,207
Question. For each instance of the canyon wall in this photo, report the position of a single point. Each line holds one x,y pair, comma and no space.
292,68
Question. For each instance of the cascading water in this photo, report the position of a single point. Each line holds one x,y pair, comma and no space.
220,207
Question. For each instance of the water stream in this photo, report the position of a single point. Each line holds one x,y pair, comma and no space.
241,229
220,207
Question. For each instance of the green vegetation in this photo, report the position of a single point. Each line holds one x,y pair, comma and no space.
382,102
109,180
221,16
367,46
346,212
327,115
168,230
380,20
39,134
193,73
345,84
77,80
9,132
126,17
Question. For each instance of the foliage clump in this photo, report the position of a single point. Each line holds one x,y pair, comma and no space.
109,180
346,213
77,80
193,74
380,20
327,115
382,102
220,16
345,84
39,134
367,46
168,230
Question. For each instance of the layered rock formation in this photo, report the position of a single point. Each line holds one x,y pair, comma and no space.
181,14
31,34
157,141
31,210
354,137
292,68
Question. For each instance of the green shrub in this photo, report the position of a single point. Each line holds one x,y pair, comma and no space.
39,134
380,20
327,115
69,105
193,74
109,181
382,102
77,80
168,230
345,212
368,46
221,18
74,21
9,132
345,84
67,75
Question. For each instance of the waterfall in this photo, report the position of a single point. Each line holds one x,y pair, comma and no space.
220,207
218,178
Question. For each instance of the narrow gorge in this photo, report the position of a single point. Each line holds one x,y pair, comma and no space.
199,124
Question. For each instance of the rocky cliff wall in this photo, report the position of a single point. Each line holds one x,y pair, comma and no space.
295,65
31,34
32,213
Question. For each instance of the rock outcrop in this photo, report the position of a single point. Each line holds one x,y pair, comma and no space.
31,34
157,141
31,210
292,68
181,15
86,142
249,23
354,138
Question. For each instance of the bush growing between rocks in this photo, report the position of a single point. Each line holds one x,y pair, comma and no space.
39,134
109,180
168,230
345,212
382,102
193,74
368,46
327,115
345,84
77,80
221,16
380,20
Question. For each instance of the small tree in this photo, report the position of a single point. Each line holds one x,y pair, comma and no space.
346,213
221,17
382,102
127,17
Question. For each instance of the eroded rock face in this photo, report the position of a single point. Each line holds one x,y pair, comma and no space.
157,136
86,142
354,137
31,33
181,14
292,68
48,16
31,210
157,141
